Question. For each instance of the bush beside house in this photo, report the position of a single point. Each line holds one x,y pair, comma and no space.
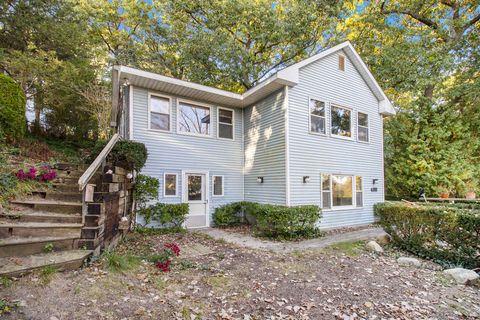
272,221
447,234
12,109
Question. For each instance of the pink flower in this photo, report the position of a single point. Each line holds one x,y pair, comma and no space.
21,175
163,265
173,247
32,173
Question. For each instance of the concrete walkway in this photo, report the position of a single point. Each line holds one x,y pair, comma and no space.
318,243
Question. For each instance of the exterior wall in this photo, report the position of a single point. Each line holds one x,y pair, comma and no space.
264,129
172,152
311,154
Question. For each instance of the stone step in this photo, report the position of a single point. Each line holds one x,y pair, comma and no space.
16,246
66,196
63,260
40,216
39,229
50,205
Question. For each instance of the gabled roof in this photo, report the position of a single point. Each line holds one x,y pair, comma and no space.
288,76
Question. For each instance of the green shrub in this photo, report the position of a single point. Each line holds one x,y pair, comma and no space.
12,109
271,221
445,234
167,214
7,182
117,263
282,222
131,154
234,213
146,189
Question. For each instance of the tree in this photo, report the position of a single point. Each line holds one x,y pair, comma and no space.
425,55
12,109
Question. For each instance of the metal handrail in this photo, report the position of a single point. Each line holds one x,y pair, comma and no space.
88,174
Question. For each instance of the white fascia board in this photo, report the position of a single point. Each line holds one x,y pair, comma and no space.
178,82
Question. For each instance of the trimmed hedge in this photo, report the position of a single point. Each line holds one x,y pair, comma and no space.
446,234
272,221
12,109
167,214
132,154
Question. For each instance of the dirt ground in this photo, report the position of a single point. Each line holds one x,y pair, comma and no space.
228,282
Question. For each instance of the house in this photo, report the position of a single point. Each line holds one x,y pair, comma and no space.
311,133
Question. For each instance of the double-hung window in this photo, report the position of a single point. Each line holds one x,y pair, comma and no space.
326,191
225,123
193,119
359,191
341,122
159,113
317,116
170,184
218,185
362,127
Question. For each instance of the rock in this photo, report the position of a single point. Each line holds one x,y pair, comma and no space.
140,311
462,276
407,261
384,239
374,246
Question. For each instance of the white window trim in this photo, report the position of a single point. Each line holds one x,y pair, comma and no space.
354,192
368,128
344,62
351,138
363,192
164,184
195,103
218,123
213,186
310,116
150,94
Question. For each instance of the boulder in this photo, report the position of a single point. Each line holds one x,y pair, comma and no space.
407,261
384,239
462,276
374,247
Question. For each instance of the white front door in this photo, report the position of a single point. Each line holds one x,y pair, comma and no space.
196,196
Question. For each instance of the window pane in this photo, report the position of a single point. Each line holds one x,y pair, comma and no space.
225,116
159,121
317,124
170,185
359,199
194,187
159,105
342,191
225,131
217,186
341,122
326,199
317,108
358,183
194,119
362,119
363,134
325,182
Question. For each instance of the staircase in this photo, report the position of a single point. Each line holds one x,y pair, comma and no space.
44,229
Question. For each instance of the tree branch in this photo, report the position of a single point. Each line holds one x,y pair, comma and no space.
415,15
471,22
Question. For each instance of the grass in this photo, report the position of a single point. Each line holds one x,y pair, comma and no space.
144,231
349,248
119,263
6,307
219,283
5,282
48,248
46,274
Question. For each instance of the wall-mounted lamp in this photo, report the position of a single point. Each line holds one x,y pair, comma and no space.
125,82
374,181
260,179
306,179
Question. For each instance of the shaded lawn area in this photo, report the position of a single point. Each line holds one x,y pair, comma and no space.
339,282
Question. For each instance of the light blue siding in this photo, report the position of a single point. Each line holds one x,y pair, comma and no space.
312,154
264,126
172,152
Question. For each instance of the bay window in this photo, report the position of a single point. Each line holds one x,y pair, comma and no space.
339,191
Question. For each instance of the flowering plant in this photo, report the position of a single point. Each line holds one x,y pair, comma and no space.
163,260
45,174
